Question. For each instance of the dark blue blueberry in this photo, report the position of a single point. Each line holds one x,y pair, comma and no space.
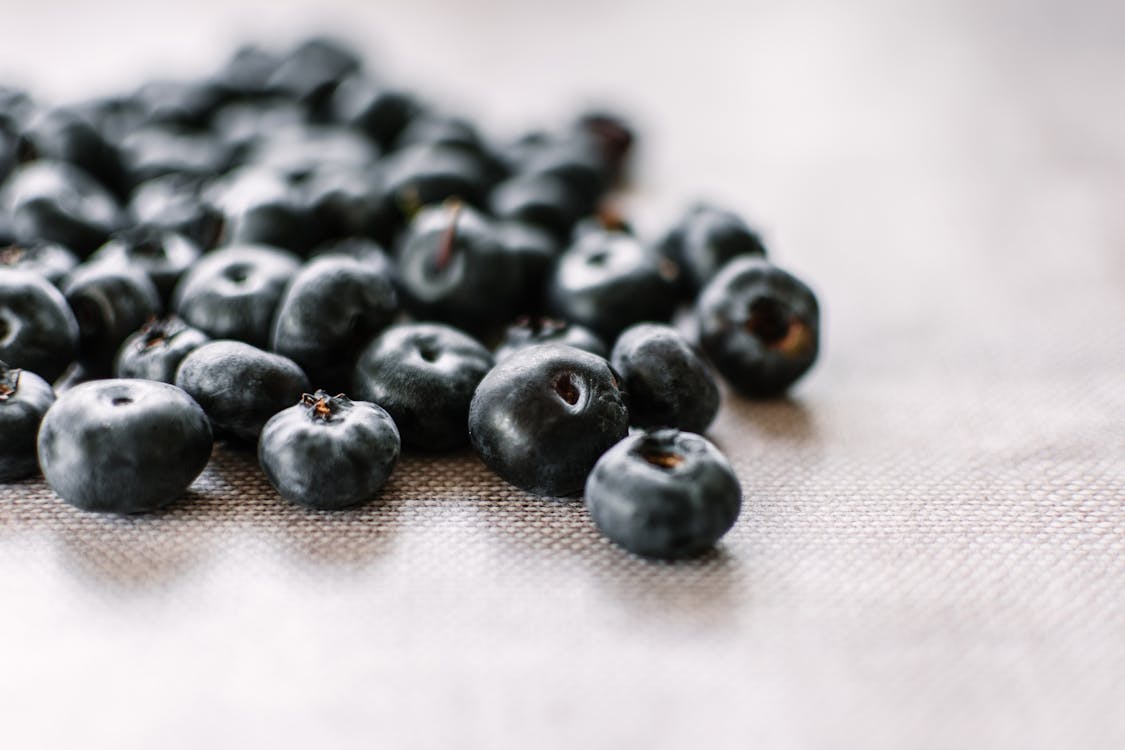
441,130
607,281
240,386
260,206
183,103
37,328
241,125
298,151
543,416
158,150
66,134
425,174
245,75
346,202
312,70
329,452
612,135
24,399
527,332
174,203
453,269
704,240
759,325
110,301
377,110
534,251
542,200
163,255
123,446
234,292
48,259
424,374
664,494
58,202
666,382
156,350
333,308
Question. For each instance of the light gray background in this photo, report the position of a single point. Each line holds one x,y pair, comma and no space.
932,552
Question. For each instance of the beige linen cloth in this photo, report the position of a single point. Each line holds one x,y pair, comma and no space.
932,548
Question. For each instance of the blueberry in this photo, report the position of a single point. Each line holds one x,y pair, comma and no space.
246,73
542,200
312,70
607,281
156,350
174,203
241,125
234,292
240,386
527,332
543,416
24,399
424,375
38,331
664,494
123,446
534,251
58,202
424,174
374,109
334,306
48,259
574,159
345,202
612,135
162,255
158,150
65,134
329,452
109,301
297,151
259,206
453,269
439,130
667,383
704,240
759,325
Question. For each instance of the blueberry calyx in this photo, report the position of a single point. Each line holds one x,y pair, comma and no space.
9,256
9,381
322,406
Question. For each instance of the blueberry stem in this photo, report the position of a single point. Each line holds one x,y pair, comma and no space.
9,381
449,237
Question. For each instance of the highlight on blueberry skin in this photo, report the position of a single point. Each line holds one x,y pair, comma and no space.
24,399
329,452
543,416
759,326
123,446
664,494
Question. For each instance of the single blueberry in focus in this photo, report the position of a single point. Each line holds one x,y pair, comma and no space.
543,416
664,494
666,382
759,326
123,446
329,452
333,307
234,292
240,386
424,374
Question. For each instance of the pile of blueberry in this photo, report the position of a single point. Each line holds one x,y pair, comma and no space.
229,256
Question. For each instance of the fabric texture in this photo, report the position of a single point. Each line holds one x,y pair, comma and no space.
931,552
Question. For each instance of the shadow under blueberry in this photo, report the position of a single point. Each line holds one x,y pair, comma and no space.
780,419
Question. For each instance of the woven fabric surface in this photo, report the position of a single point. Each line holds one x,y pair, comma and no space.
932,548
